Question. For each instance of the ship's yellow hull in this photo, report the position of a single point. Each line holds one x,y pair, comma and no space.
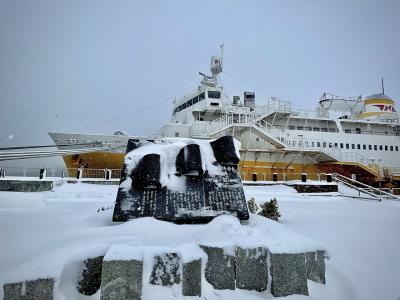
250,170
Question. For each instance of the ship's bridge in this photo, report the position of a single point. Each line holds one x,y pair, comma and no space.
198,105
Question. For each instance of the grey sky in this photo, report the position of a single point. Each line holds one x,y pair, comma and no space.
68,64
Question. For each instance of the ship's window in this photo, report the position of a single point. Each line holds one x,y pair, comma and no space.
306,144
214,104
312,144
347,131
214,94
391,148
369,147
364,147
316,128
176,134
375,147
318,144
330,145
332,130
358,131
397,148
380,147
324,129
324,144
195,99
347,146
292,127
386,148
201,119
358,146
202,96
309,128
336,145
300,127
341,145
353,146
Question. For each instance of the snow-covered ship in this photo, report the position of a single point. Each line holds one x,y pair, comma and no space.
346,135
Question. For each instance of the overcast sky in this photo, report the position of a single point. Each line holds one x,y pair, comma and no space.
68,64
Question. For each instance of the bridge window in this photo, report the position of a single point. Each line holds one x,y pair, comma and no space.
380,147
369,147
358,146
202,96
214,94
336,144
353,146
386,148
341,145
364,147
375,147
397,148
195,100
391,148
347,146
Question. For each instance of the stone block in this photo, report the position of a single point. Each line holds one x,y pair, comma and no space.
252,269
121,279
289,275
12,185
39,289
166,270
220,268
191,278
90,280
315,264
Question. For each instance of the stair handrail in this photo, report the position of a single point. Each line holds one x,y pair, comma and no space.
347,180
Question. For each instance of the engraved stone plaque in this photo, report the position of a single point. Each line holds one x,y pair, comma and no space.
180,180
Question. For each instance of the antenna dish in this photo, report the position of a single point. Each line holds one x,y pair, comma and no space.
216,64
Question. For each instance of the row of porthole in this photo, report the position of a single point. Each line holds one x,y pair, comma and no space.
346,146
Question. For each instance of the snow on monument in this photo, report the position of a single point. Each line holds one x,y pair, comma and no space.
181,180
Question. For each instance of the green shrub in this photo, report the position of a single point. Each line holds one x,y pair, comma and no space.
252,205
270,210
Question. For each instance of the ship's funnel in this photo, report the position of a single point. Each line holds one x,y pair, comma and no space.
379,106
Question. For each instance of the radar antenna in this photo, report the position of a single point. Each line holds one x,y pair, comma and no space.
215,68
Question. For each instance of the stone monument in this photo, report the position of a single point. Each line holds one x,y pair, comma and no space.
181,180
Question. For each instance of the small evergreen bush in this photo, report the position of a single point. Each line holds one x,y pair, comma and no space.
252,205
270,210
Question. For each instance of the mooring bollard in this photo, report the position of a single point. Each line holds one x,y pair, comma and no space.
274,176
107,174
254,176
42,173
304,177
328,177
79,174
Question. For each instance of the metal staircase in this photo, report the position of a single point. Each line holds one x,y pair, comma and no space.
282,140
365,191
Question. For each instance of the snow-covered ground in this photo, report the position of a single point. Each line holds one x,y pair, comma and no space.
362,238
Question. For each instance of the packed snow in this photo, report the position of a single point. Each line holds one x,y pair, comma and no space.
50,233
